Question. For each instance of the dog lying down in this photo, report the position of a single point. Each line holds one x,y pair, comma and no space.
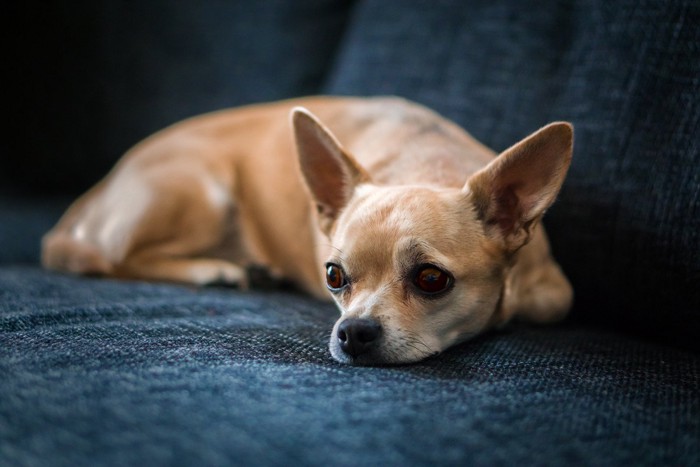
418,232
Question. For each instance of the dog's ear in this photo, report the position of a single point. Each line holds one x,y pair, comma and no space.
329,171
512,193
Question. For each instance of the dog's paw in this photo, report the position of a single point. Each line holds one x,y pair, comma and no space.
217,272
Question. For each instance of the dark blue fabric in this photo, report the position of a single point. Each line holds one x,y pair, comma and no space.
626,227
86,80
23,221
100,372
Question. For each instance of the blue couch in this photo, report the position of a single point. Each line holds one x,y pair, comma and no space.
103,372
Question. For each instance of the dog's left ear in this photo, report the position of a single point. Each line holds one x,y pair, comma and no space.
329,171
512,193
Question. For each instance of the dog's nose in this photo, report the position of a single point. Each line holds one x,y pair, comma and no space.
358,335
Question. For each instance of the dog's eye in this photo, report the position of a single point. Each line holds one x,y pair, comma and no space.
335,277
431,280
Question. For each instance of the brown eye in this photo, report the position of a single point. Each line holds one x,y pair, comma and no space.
335,277
431,280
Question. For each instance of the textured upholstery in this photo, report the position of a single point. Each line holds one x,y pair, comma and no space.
102,372
121,373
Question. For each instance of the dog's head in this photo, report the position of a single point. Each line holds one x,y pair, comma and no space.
416,269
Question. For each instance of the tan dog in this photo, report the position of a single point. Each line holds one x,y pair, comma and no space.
422,237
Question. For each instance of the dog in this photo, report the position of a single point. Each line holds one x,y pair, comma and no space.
423,236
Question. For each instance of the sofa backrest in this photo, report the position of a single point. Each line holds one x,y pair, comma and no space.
86,80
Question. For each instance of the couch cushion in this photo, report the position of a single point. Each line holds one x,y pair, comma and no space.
23,221
627,225
99,372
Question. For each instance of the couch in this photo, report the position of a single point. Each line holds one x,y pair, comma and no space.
107,372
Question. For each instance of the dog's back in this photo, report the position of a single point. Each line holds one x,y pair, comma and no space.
203,199
236,171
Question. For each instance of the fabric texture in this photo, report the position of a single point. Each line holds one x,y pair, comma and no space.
104,372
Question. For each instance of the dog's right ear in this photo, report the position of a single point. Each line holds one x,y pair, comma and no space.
329,171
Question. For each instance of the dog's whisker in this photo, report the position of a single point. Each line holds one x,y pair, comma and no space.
417,340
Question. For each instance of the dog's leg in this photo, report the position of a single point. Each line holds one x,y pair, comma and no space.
536,288
176,223
198,271
544,296
192,235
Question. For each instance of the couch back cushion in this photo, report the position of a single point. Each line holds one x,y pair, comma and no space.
88,79
627,225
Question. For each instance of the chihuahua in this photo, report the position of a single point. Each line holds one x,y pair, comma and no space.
422,236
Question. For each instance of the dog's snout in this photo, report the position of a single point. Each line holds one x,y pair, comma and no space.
358,335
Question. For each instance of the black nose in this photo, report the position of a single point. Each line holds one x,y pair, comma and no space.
357,335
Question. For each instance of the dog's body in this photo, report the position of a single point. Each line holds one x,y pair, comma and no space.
423,246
